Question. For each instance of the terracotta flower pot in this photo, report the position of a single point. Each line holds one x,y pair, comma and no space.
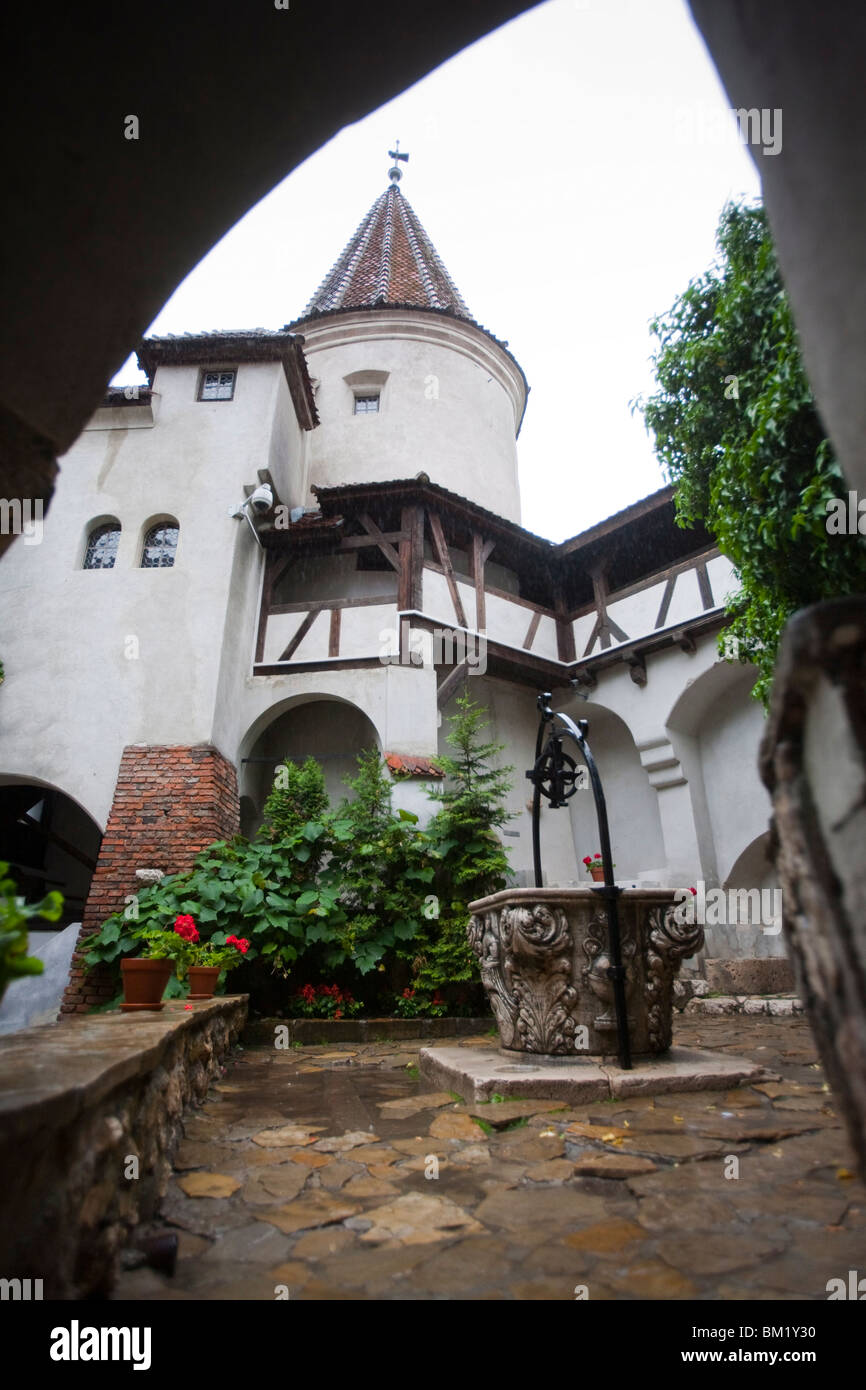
144,983
597,873
203,981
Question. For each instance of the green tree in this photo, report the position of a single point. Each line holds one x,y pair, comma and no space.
381,863
738,434
472,859
297,796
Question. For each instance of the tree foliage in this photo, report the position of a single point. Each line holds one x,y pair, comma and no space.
355,890
472,861
738,434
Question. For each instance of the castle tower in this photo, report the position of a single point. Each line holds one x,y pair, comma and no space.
406,380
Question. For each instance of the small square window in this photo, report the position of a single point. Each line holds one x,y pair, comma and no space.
367,405
217,386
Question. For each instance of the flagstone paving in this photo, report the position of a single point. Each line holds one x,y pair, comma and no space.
335,1173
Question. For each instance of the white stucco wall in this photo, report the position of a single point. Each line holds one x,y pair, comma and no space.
450,405
98,659
729,734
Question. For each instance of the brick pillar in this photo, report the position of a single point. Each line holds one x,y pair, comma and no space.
169,803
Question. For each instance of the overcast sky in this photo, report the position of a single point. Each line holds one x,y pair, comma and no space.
570,169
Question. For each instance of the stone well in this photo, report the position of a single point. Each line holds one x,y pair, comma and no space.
544,962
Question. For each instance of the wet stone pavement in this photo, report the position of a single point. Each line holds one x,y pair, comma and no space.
310,1174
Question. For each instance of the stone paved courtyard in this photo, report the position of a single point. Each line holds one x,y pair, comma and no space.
305,1174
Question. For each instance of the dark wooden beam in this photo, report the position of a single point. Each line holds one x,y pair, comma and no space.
316,605
608,627
300,635
666,600
334,633
531,631
362,542
705,587
445,562
268,585
411,587
650,582
478,563
447,687
379,537
590,641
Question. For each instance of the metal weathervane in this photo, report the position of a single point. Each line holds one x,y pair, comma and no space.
556,776
395,173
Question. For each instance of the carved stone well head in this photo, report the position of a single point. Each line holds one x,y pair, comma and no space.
544,965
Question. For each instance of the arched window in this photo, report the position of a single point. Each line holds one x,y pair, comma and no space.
160,544
102,543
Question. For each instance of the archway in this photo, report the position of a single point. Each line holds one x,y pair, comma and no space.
332,731
50,844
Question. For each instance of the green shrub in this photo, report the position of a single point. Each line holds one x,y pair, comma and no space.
470,859
14,915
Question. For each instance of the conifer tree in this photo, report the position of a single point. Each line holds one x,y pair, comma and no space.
472,859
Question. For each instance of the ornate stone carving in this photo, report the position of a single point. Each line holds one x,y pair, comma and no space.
496,974
544,963
537,945
595,972
670,939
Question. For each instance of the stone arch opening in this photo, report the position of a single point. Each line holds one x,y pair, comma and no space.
50,843
331,730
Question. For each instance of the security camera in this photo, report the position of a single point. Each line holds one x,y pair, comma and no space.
262,499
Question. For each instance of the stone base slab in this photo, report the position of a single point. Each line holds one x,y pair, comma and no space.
478,1074
750,975
721,1005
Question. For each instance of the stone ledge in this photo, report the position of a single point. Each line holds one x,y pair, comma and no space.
78,1101
310,1031
48,1075
777,1006
482,1073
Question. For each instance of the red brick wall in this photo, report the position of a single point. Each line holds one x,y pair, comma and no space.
169,803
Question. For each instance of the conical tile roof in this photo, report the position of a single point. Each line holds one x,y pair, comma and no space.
389,260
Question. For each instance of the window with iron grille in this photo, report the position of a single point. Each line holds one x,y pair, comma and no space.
217,386
366,405
102,543
160,545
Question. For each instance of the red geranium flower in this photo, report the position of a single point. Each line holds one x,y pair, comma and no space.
242,944
338,1014
587,859
408,993
308,993
185,928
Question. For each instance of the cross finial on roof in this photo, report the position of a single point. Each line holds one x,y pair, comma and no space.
396,173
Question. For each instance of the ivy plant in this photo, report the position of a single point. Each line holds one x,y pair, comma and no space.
738,434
